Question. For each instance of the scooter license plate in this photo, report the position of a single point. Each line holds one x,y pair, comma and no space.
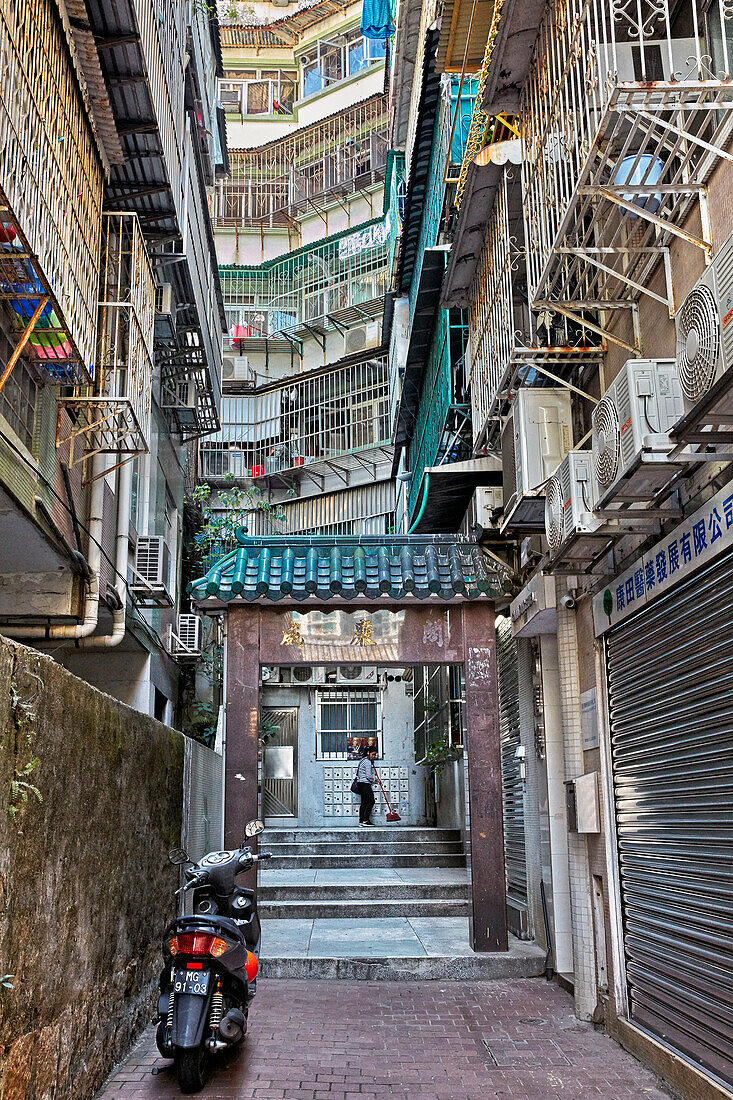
191,981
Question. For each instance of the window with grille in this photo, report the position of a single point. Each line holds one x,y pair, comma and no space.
18,402
347,722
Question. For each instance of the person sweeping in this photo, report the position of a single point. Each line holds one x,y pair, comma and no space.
366,781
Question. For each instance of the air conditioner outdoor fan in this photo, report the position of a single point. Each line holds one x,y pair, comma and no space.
608,440
554,514
698,342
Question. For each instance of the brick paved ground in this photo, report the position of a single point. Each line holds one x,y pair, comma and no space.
334,1040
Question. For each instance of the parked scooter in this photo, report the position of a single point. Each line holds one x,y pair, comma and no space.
211,963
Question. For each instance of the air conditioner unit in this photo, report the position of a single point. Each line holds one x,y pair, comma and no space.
187,637
165,321
705,345
237,369
484,509
537,436
306,675
631,424
164,298
356,674
152,571
270,675
362,337
180,394
568,508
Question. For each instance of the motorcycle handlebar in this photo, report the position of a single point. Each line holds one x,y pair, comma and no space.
262,855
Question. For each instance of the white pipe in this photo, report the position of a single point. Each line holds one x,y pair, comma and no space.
88,625
122,550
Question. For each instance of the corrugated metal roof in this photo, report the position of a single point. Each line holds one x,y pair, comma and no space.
319,568
286,30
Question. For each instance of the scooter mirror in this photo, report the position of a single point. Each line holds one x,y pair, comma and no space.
254,828
177,856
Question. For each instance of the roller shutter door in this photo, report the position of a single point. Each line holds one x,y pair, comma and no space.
670,680
512,783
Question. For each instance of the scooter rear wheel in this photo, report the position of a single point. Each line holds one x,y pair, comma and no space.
192,1068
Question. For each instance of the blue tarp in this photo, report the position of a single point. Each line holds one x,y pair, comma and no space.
376,19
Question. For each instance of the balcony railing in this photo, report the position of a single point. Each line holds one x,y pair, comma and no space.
50,194
298,173
508,345
310,291
308,421
113,416
626,113
442,431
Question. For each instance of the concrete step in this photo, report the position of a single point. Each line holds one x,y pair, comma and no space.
384,859
318,908
341,834
436,968
356,891
365,845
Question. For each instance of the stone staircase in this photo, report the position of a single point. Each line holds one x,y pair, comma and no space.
384,903
427,878
294,849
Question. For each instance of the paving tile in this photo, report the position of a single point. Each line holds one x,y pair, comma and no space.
348,1040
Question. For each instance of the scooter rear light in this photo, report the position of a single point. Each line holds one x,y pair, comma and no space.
197,944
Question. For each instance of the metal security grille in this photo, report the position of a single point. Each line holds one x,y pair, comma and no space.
512,782
280,780
670,674
202,799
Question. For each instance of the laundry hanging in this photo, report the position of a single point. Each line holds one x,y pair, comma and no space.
376,19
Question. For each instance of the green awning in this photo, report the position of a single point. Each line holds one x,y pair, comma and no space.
339,567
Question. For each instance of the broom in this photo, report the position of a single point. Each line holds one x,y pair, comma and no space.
392,815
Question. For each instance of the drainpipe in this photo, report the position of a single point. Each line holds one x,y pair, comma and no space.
94,559
122,549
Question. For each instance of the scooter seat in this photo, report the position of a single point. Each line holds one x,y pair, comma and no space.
192,923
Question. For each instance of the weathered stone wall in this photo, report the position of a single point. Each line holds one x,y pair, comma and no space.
85,886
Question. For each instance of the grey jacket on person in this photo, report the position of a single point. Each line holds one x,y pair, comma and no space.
366,773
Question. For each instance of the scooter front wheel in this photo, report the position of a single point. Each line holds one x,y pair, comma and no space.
192,1068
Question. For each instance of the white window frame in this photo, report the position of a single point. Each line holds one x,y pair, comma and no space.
347,696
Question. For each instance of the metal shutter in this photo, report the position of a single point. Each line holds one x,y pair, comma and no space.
670,675
512,783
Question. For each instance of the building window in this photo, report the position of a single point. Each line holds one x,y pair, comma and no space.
18,403
270,92
332,60
347,722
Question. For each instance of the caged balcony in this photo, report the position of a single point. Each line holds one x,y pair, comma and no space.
626,113
508,348
318,289
113,416
333,420
50,197
303,172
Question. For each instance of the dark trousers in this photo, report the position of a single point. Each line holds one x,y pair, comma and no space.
366,794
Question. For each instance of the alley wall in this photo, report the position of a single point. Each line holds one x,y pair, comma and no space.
85,887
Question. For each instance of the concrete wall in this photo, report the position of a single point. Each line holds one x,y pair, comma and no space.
85,888
398,752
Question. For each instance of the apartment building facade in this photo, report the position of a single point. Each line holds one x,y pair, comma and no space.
304,241
588,244
111,326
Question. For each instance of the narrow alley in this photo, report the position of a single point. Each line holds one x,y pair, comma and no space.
348,1040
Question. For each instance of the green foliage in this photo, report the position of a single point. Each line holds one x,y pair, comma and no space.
21,789
24,715
268,726
5,981
439,753
226,511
